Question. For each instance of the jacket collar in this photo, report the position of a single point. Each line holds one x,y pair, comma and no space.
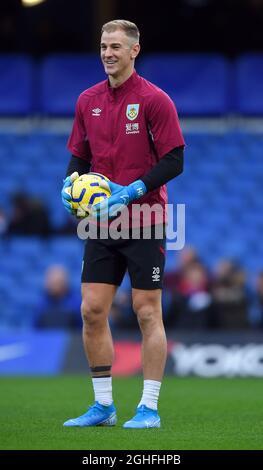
124,87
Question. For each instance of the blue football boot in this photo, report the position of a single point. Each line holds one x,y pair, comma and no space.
145,418
97,415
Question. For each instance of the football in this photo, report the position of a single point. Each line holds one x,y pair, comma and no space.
85,192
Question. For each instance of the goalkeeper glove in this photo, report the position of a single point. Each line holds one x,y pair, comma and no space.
66,192
120,197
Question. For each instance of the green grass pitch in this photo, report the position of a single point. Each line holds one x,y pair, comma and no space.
196,414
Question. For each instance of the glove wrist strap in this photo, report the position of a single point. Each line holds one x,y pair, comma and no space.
136,190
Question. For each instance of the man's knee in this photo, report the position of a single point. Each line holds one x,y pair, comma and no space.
145,315
146,312
92,312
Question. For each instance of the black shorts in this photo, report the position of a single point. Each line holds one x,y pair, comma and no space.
106,261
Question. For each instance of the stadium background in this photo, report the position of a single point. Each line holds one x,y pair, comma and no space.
208,56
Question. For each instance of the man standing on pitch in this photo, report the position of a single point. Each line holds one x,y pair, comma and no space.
127,129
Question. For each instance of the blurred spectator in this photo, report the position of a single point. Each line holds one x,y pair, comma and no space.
69,227
29,216
59,306
3,222
189,287
256,303
121,314
186,257
230,296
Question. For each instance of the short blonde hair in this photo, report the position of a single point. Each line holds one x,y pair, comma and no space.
129,28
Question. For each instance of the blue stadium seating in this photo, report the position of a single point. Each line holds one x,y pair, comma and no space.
63,78
250,84
223,213
198,84
16,85
221,185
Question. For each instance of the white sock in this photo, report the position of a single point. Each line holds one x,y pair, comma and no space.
102,387
151,390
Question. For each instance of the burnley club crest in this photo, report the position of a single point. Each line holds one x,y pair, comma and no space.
132,111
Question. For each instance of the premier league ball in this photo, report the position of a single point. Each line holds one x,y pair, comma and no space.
86,192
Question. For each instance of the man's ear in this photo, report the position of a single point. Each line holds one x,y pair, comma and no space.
135,50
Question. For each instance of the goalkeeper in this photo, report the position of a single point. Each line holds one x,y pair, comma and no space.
127,129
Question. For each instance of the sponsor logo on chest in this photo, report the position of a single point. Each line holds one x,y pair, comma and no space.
132,128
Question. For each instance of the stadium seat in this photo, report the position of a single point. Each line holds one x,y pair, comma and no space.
16,85
249,70
63,78
198,84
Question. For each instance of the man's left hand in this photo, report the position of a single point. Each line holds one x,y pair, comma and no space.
120,197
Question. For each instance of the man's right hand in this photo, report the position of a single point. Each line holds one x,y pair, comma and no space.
66,192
